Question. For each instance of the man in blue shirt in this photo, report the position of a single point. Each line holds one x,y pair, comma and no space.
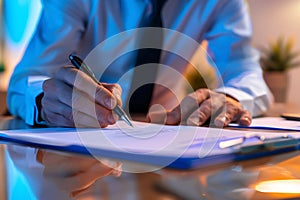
54,93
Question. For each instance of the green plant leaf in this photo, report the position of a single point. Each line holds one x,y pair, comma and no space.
1,67
279,55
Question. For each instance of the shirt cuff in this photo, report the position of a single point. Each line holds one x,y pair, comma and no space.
35,84
246,100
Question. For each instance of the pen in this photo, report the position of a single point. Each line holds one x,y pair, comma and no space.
79,64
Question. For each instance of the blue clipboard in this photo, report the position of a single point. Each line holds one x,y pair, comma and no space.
47,138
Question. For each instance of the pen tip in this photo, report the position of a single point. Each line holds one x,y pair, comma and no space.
127,121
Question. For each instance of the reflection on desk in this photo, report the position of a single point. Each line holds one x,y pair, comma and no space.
41,180
237,180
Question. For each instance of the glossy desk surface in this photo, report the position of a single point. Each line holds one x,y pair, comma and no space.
67,176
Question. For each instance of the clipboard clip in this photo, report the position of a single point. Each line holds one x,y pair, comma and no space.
265,144
271,144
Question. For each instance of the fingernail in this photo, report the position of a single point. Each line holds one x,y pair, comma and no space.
110,103
245,121
116,92
119,99
220,122
111,163
194,121
116,173
223,119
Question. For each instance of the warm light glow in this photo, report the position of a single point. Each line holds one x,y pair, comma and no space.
290,186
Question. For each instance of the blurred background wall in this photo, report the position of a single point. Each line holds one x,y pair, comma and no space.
274,18
19,19
278,18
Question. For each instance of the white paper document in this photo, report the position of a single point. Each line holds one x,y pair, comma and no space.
272,123
147,143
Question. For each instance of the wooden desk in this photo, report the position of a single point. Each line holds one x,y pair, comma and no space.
278,108
3,106
2,173
234,180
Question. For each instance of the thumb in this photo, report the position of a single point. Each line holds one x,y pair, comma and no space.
174,116
116,90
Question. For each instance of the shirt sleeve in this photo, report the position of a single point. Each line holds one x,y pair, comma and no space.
235,61
57,35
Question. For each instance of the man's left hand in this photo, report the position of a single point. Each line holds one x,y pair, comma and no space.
204,104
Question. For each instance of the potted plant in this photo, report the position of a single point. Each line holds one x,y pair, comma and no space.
277,58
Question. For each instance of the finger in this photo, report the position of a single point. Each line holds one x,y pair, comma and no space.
174,117
231,112
187,106
201,115
40,155
53,118
222,120
156,114
69,165
82,120
85,84
208,108
101,119
86,113
58,90
116,90
67,117
51,160
84,179
245,119
194,101
81,104
54,111
179,113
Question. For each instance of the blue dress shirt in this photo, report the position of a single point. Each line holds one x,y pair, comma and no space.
81,26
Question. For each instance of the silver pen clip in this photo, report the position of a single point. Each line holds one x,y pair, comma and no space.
238,141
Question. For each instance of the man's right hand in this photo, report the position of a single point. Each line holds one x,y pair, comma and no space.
71,98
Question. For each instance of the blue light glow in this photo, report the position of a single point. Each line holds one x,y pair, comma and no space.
16,14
